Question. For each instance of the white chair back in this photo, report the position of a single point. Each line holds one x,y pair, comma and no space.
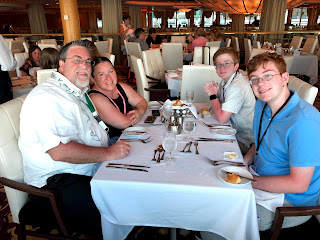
16,46
11,165
247,50
195,77
110,44
172,55
25,46
44,74
8,40
47,45
19,39
235,44
256,51
310,45
197,55
153,64
20,58
204,55
178,39
102,47
128,57
256,44
227,42
213,44
141,79
305,90
111,57
48,41
296,42
134,49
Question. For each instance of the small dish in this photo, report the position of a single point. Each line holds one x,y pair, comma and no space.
236,170
230,155
135,131
224,131
154,105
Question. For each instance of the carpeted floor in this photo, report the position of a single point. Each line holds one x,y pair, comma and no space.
7,227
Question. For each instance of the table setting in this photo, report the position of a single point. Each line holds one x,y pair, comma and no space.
167,181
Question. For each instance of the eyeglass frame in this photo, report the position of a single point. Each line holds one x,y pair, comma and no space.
256,79
81,60
225,65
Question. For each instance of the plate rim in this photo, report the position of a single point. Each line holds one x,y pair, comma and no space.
227,168
137,129
229,128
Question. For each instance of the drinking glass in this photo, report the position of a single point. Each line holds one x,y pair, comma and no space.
189,96
169,144
189,126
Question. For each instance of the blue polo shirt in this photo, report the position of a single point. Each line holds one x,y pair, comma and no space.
293,139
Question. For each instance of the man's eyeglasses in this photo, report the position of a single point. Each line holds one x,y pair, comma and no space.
265,78
225,65
79,60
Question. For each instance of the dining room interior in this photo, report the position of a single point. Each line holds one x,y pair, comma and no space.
162,75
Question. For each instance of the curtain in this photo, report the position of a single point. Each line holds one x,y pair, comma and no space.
157,14
237,22
188,14
37,18
135,15
170,14
207,14
111,11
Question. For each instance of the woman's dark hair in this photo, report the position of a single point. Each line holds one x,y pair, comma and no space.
125,17
49,58
152,30
97,61
32,48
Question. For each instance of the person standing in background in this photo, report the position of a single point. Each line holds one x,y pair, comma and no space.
126,31
7,63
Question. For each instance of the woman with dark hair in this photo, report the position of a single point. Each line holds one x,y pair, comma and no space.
118,105
126,31
49,58
32,61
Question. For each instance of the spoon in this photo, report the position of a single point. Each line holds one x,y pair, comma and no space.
160,149
196,143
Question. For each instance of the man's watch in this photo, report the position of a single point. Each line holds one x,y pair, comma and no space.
213,96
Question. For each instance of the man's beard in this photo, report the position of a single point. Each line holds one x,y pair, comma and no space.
83,84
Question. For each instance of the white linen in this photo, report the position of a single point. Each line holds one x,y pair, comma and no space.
174,84
168,104
265,199
55,112
187,194
7,61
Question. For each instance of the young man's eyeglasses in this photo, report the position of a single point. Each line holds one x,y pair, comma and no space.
265,78
225,65
79,60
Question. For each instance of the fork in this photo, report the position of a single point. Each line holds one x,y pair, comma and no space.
196,143
138,139
217,163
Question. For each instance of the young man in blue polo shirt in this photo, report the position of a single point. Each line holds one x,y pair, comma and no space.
286,130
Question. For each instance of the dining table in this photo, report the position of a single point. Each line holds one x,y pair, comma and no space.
173,79
186,193
21,85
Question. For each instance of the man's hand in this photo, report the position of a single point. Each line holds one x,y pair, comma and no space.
120,149
211,88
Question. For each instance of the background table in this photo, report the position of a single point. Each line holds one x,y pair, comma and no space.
187,194
174,84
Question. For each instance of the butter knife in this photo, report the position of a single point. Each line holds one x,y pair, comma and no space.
127,165
250,179
215,140
127,168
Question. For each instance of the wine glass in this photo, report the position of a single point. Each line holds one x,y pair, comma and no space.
189,126
189,96
169,144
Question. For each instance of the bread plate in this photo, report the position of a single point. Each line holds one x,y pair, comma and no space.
135,131
224,131
236,170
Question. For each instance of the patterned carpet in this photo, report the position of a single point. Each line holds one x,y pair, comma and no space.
7,227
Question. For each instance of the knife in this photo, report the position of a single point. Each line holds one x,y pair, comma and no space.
216,139
250,179
127,165
127,168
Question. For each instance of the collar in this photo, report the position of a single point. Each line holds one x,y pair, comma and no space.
68,86
226,84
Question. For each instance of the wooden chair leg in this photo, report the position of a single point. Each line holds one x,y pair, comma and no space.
21,232
277,224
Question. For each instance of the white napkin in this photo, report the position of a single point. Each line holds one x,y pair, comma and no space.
267,199
168,105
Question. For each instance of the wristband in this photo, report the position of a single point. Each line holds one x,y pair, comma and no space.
213,96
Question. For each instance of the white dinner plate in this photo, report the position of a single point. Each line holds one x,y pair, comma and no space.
173,75
236,170
224,131
135,131
154,104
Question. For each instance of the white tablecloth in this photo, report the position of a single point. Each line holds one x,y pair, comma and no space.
304,65
174,84
187,194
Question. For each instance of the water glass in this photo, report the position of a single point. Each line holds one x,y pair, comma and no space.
189,96
169,144
189,125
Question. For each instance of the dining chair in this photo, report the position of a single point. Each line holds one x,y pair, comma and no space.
20,39
134,49
178,39
153,64
204,55
235,44
247,50
310,45
110,44
102,47
147,88
20,58
44,74
16,46
227,42
172,56
47,45
8,40
296,42
213,44
195,77
25,46
197,55
49,41
305,90
256,51
12,177
256,44
111,57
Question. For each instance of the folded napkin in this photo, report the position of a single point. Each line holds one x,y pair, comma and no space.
168,106
267,199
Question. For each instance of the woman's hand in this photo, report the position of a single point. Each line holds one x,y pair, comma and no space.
134,116
190,38
211,88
